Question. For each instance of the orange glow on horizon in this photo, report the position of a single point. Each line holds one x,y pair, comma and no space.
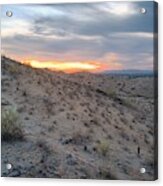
68,67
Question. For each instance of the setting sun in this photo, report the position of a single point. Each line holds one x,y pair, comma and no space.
68,67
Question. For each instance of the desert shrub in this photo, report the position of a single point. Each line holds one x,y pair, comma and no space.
124,135
42,144
101,92
11,128
80,137
128,103
112,94
13,69
105,174
95,121
103,147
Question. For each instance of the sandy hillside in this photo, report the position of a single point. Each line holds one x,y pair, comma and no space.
78,125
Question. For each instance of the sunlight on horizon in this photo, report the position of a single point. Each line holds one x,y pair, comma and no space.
68,67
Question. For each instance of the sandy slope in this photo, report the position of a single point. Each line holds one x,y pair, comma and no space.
78,126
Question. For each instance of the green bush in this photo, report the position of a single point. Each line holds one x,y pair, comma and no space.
11,128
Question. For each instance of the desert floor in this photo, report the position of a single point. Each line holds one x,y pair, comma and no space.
82,125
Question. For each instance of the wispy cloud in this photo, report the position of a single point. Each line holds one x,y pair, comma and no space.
143,35
122,9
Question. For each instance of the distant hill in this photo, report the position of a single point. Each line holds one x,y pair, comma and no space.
130,72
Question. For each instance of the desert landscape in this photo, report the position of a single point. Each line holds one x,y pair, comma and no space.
79,126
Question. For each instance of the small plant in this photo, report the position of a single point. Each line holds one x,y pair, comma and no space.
103,147
112,94
11,128
128,103
95,121
79,137
13,69
46,148
105,174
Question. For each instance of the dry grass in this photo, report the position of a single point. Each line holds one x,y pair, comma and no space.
103,147
80,137
13,69
128,103
11,128
106,174
112,94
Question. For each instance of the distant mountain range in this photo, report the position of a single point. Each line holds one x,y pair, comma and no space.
130,72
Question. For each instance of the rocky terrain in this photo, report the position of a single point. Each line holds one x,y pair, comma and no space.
83,125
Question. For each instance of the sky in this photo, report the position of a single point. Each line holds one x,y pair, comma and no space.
82,36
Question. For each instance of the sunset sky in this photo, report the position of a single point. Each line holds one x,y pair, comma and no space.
93,36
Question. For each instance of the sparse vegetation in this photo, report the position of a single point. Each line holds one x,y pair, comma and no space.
111,93
103,147
106,174
42,144
79,137
128,103
13,69
11,128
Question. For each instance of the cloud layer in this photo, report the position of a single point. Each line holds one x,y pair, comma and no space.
114,34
